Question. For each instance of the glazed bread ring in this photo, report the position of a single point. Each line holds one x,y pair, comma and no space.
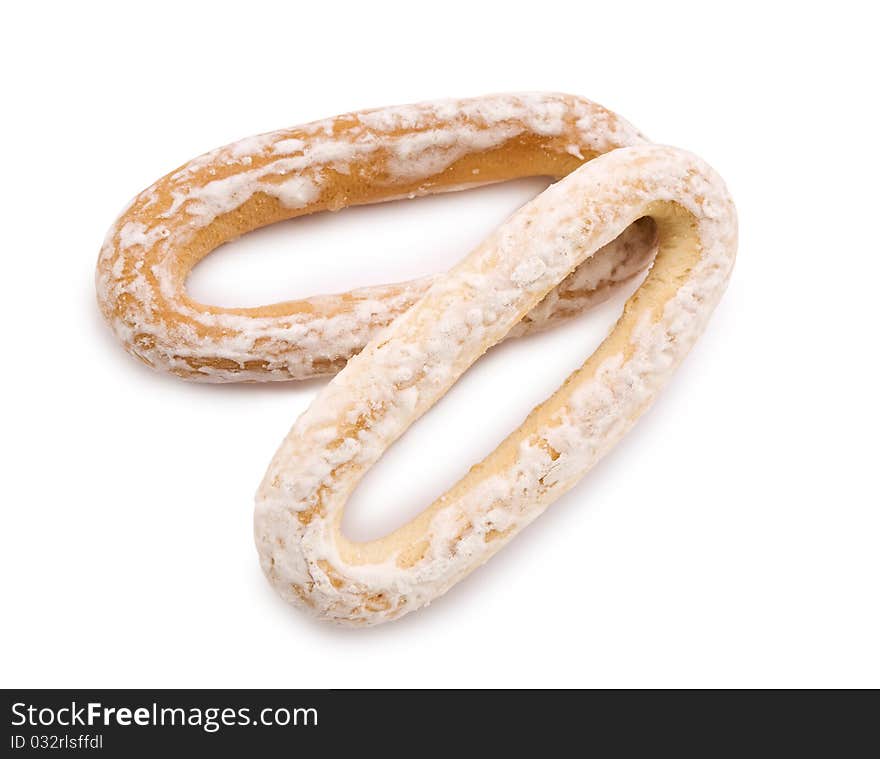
400,374
353,159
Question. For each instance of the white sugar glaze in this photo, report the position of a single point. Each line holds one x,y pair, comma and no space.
371,156
401,373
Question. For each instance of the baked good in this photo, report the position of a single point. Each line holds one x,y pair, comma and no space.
356,158
402,372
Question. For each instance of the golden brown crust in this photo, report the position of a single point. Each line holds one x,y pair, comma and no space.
354,159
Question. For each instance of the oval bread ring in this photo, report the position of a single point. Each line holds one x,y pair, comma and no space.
357,158
403,372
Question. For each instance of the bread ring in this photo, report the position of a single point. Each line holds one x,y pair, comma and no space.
403,372
353,159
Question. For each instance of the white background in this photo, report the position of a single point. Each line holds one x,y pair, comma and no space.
730,540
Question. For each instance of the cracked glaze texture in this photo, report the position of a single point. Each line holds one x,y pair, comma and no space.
401,373
356,158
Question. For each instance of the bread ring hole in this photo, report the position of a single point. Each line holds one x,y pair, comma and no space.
480,410
359,246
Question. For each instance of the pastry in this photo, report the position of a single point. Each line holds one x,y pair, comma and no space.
356,158
403,371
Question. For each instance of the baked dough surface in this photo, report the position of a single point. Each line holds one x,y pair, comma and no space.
356,158
402,373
